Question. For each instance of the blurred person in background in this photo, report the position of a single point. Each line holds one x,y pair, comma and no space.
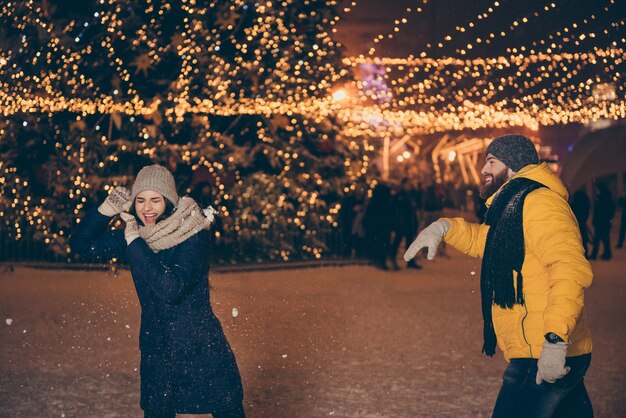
581,206
405,222
622,223
603,212
377,225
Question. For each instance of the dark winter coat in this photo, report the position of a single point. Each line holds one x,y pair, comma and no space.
581,206
603,211
377,218
187,365
405,208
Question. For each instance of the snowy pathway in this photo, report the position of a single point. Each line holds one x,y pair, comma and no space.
336,341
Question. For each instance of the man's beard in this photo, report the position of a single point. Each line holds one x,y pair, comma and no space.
498,180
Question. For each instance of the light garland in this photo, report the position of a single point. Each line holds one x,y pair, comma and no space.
461,29
398,23
250,60
517,59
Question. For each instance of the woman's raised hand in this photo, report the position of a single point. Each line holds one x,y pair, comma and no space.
117,201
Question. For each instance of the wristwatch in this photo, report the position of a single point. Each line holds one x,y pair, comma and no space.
552,338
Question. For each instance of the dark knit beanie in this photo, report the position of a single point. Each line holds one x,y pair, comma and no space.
158,179
515,151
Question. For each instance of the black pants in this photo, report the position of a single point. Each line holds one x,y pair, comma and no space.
622,230
236,412
405,235
379,242
521,397
602,235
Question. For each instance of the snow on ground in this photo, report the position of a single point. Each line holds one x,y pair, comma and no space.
323,342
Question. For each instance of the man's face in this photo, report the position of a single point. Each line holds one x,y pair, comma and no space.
495,174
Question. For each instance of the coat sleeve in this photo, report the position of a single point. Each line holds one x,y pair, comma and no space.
93,241
552,234
467,237
170,281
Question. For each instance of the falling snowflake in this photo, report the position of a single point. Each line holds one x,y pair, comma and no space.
9,321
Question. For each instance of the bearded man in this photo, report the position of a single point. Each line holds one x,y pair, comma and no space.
533,276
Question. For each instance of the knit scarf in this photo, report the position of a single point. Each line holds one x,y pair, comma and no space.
504,253
187,220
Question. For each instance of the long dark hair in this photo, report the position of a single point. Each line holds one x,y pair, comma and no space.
169,209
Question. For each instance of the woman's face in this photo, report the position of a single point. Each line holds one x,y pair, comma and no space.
149,206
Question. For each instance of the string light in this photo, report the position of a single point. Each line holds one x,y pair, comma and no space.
398,23
461,29
216,58
224,73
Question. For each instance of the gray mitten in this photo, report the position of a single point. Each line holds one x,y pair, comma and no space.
551,364
430,238
116,202
131,232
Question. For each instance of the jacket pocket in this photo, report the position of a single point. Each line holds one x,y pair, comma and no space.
508,325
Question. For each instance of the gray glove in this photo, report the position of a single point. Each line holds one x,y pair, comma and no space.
551,364
116,202
131,232
430,237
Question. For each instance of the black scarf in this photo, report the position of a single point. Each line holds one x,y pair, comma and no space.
504,252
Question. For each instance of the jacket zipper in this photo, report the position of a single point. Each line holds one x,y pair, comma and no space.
524,332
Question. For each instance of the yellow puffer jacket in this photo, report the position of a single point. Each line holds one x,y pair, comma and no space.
555,271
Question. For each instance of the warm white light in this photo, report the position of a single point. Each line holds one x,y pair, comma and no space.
406,154
340,94
604,91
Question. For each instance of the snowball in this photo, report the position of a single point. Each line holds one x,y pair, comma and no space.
210,212
9,321
235,312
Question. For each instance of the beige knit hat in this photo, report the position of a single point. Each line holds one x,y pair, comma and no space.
158,179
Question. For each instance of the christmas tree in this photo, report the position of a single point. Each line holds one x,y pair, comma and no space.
228,95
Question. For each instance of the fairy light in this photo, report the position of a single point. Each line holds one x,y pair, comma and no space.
346,10
276,91
566,35
477,90
516,24
223,73
398,23
461,29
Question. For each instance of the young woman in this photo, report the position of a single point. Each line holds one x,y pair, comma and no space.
187,365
